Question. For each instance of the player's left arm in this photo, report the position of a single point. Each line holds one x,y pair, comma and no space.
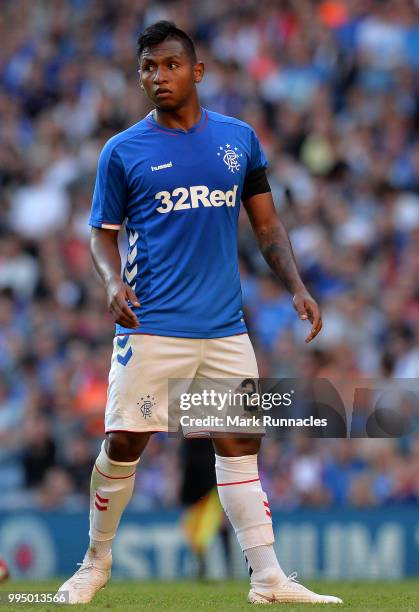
276,248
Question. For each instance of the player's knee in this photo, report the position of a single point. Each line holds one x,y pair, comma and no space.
125,446
236,447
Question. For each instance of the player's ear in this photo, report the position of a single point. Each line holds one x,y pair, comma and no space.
139,77
198,71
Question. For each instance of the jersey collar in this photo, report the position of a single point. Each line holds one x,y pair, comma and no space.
199,126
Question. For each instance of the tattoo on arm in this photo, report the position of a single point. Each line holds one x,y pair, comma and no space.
277,251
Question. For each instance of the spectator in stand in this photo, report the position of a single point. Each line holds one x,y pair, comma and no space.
331,88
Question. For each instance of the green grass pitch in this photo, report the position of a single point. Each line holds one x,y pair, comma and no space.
188,596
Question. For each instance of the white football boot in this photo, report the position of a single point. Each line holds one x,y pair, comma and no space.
88,580
289,591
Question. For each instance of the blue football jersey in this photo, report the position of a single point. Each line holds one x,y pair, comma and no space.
179,195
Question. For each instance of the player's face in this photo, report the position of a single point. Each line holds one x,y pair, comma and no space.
168,75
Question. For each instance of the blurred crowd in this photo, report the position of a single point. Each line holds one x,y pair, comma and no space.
332,89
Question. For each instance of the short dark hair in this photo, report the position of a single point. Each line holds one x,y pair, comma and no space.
157,32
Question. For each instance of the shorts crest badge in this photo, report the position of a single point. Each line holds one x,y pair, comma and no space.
146,405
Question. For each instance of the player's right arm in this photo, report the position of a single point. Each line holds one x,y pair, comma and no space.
107,215
107,261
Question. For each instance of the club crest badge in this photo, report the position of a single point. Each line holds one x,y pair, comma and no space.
231,157
146,405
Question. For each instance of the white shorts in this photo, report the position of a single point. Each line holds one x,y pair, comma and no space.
138,392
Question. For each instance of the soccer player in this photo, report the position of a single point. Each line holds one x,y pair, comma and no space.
177,178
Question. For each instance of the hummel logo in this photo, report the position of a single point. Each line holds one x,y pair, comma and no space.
161,167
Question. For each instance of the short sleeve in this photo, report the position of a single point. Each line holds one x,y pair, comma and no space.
257,155
109,197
